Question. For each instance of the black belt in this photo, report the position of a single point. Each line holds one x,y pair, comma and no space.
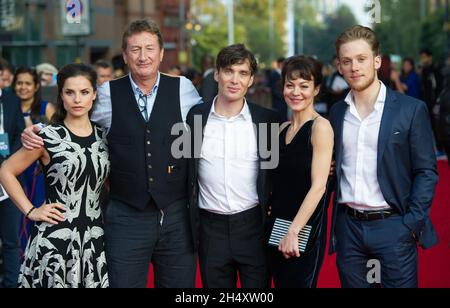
369,215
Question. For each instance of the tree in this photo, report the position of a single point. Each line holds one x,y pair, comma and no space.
213,36
433,35
251,28
405,28
253,15
400,27
320,36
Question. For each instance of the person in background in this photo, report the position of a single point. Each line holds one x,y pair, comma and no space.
11,125
194,76
27,87
337,85
430,88
119,66
175,71
104,71
278,103
2,67
444,115
208,88
47,74
66,248
410,83
8,74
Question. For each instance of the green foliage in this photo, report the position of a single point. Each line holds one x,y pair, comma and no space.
251,27
319,38
407,26
404,28
433,35
399,30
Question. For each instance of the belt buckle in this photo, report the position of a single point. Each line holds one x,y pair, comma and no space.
365,215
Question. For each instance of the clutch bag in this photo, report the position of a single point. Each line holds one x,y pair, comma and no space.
280,229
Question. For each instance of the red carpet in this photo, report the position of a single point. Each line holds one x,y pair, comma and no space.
434,264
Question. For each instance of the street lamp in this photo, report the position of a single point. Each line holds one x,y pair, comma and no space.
230,9
290,27
271,29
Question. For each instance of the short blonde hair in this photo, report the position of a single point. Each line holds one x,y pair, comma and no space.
359,33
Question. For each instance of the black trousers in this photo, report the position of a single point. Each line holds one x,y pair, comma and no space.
232,245
135,238
9,235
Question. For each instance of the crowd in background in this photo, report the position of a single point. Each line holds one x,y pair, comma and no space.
427,81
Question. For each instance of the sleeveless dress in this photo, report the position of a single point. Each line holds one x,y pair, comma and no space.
291,183
33,178
70,254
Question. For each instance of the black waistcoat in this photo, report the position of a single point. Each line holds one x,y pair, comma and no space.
142,166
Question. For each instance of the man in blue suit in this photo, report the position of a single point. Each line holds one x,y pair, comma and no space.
385,173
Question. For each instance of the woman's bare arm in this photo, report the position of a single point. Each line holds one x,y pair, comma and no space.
322,142
9,172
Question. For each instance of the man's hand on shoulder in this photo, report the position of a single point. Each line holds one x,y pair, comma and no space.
30,140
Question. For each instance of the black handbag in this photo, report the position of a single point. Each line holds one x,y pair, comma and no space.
311,232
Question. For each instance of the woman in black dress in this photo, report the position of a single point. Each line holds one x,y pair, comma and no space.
300,180
66,247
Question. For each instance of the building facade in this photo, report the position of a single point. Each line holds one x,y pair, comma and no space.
31,31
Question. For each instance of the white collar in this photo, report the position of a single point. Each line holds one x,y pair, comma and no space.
245,112
381,98
138,91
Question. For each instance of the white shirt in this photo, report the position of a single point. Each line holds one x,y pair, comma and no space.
339,84
228,166
359,187
151,97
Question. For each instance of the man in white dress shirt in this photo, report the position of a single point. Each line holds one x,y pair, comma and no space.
385,170
232,188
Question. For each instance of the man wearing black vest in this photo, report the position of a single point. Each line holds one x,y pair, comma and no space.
147,220
228,176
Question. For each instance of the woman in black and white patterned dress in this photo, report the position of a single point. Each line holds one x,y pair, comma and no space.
66,248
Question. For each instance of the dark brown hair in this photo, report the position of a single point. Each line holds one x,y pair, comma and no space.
140,26
69,71
359,33
236,54
303,67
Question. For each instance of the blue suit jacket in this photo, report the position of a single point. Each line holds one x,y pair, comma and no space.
406,167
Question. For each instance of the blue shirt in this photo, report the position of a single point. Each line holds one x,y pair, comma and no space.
102,114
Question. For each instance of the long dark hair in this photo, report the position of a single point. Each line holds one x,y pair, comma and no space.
69,71
37,101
